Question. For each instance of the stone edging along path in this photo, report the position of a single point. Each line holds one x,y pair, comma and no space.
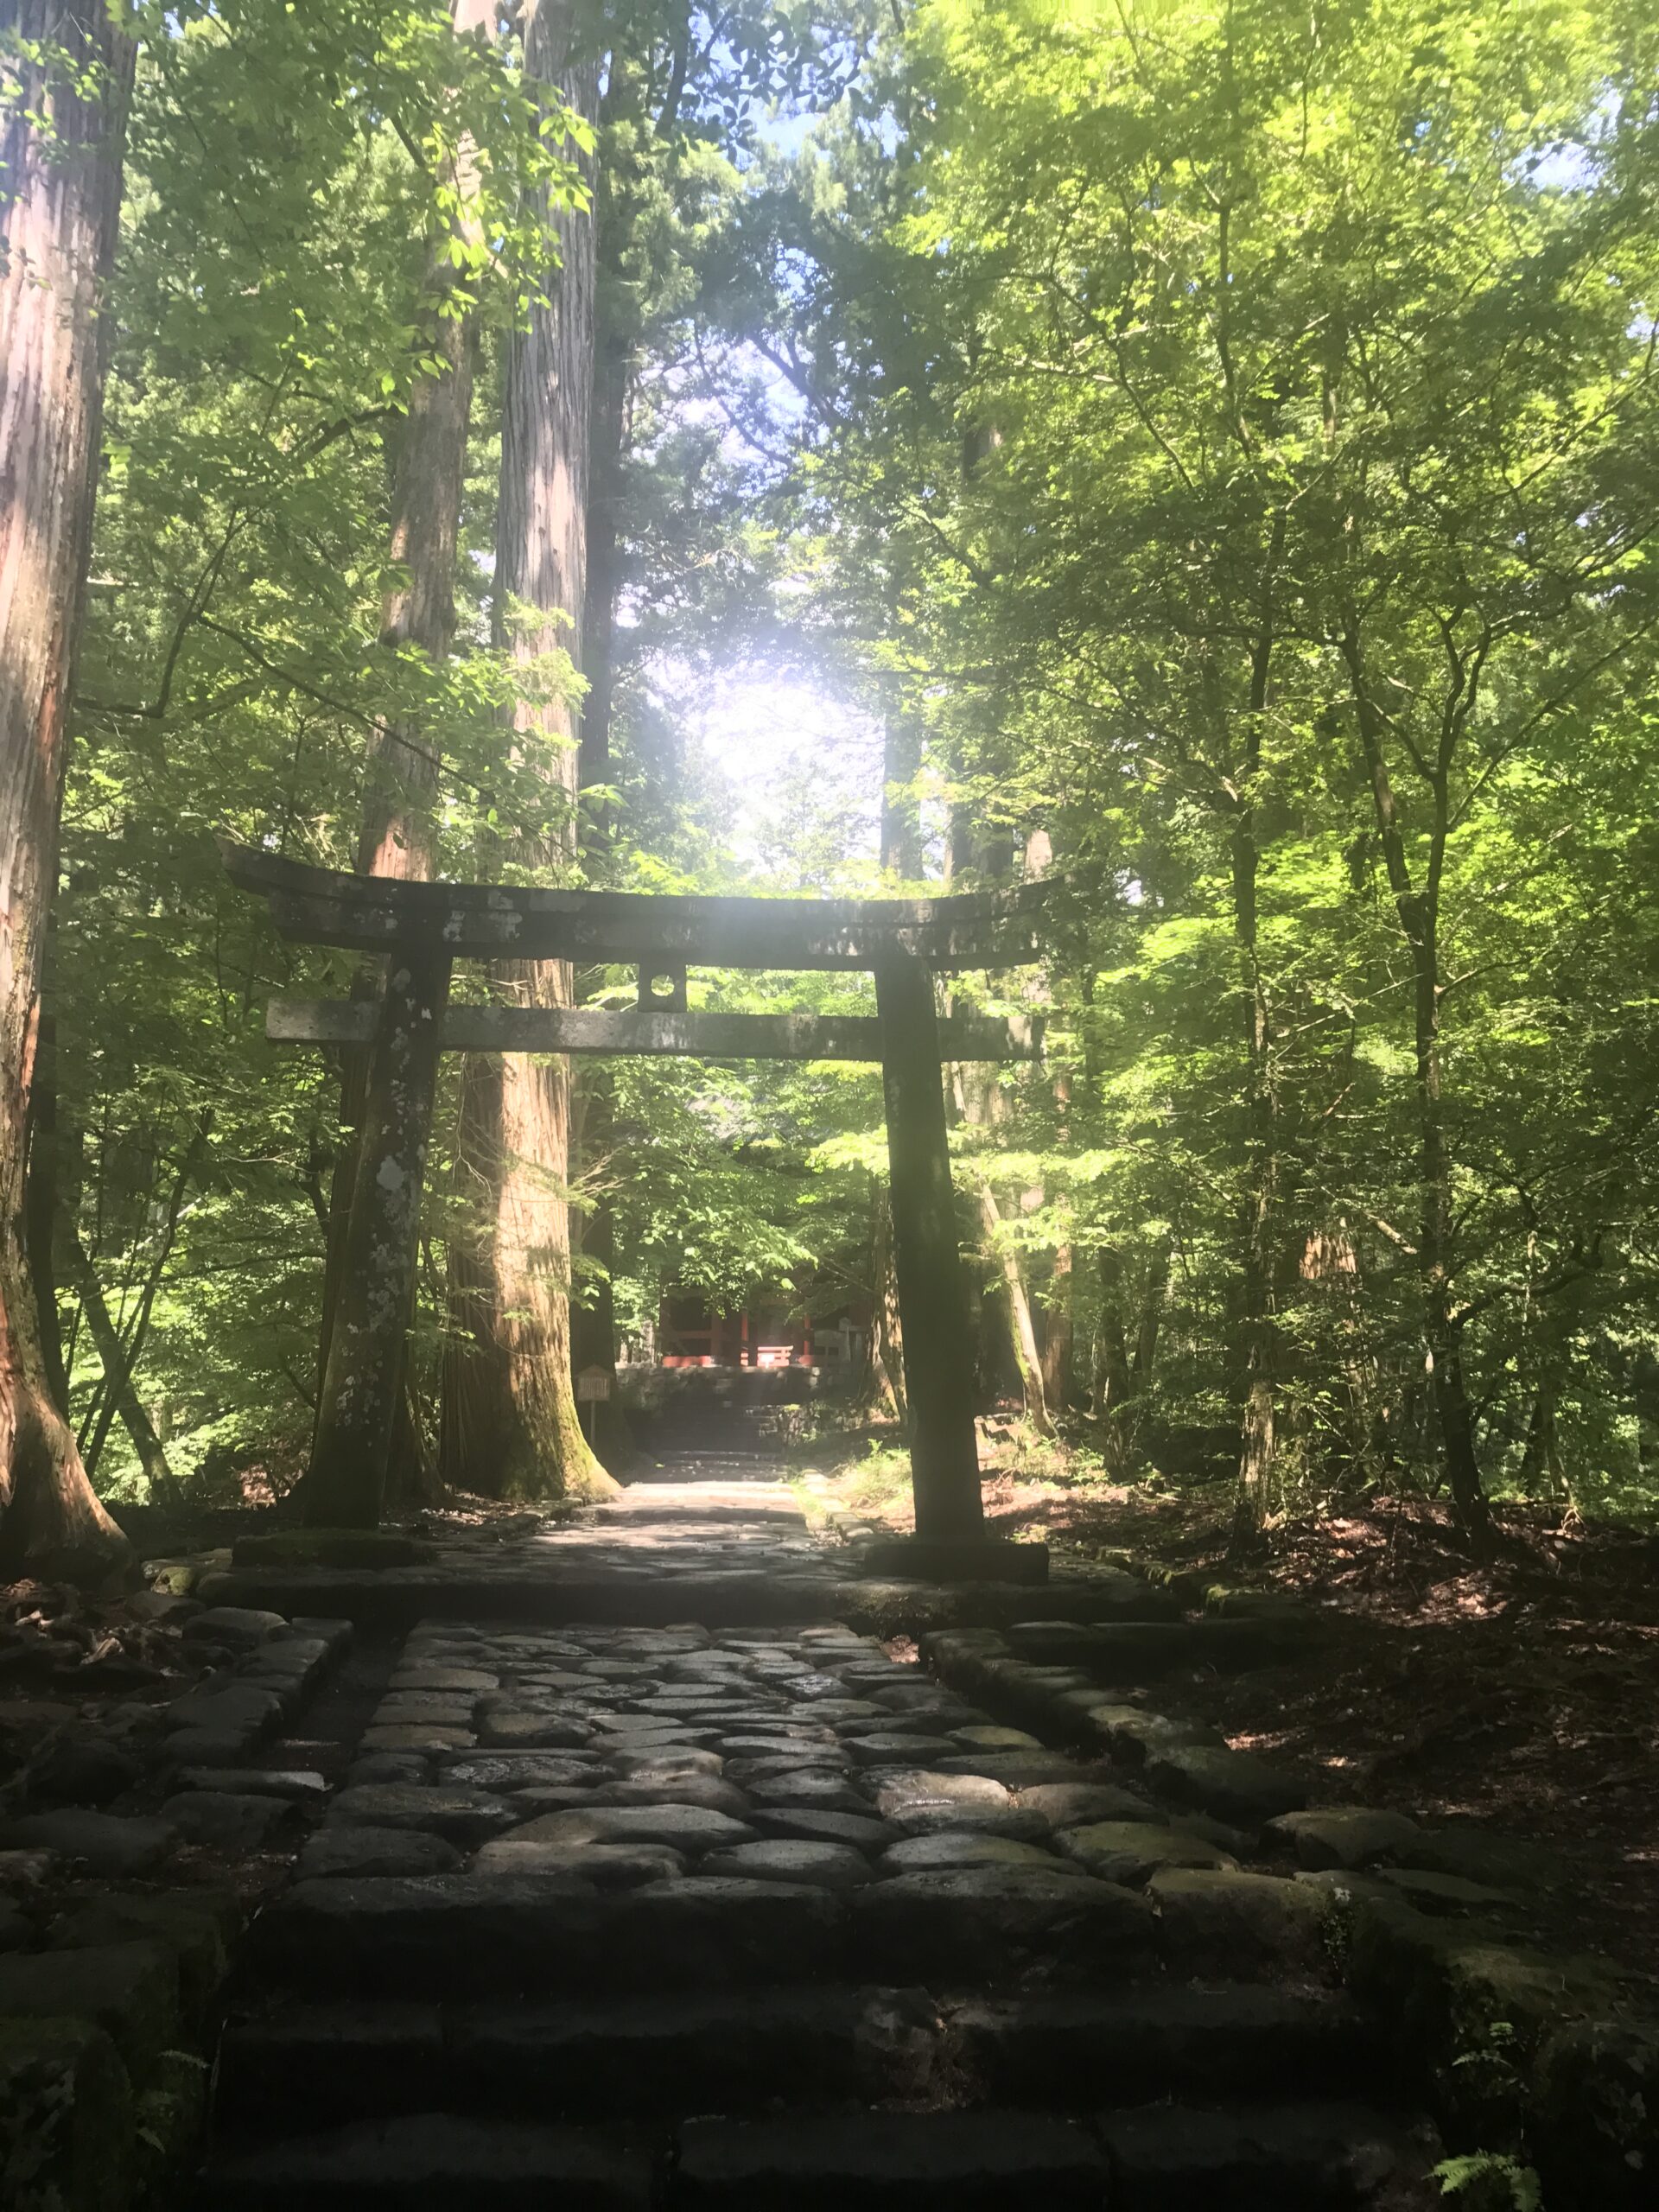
1528,2057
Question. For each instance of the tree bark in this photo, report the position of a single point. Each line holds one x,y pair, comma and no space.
613,372
592,1235
902,762
346,1482
43,1205
118,1379
616,317
886,1329
1112,1385
1259,1422
1418,909
1058,1331
1021,1331
981,1104
134,1345
60,151
397,834
520,1406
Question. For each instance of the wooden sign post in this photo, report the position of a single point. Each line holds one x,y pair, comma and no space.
593,1389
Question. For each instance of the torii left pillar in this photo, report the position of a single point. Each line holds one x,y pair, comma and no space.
346,1481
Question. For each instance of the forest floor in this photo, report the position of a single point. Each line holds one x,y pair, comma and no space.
1524,1695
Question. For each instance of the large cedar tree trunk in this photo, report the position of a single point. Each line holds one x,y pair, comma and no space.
593,1234
593,1229
60,146
397,837
512,1417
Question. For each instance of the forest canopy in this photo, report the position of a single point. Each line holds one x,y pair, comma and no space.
1204,453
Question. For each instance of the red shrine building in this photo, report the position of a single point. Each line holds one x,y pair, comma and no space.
768,1331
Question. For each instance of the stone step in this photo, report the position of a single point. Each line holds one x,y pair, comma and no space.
657,2058
889,2161
456,1935
662,2057
431,2162
549,1593
1094,2049
1126,1652
1269,2158
1301,2157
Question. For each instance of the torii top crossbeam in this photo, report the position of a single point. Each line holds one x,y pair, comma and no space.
488,921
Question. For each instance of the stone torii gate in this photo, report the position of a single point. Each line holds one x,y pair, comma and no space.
422,928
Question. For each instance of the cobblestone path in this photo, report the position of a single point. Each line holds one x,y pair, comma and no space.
617,1916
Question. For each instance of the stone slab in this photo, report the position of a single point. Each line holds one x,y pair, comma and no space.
1015,1923
1208,2042
1179,2159
1234,1925
916,1559
434,2160
356,1851
890,2162
704,2051
109,1843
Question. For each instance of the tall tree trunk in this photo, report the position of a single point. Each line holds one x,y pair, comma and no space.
1258,1424
1152,1316
1112,1384
981,1104
1022,1332
901,763
593,1237
1057,1332
616,339
42,1207
1418,913
886,1330
117,1380
523,1405
61,149
397,834
616,320
132,1348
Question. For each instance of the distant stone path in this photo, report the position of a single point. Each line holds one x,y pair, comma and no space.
632,1912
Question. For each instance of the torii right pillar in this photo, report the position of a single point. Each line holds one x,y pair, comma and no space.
950,1543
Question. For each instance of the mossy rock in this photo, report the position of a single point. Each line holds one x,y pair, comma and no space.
129,1990
199,1926
174,1578
66,2119
1468,2008
351,1549
1593,2129
1277,1608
